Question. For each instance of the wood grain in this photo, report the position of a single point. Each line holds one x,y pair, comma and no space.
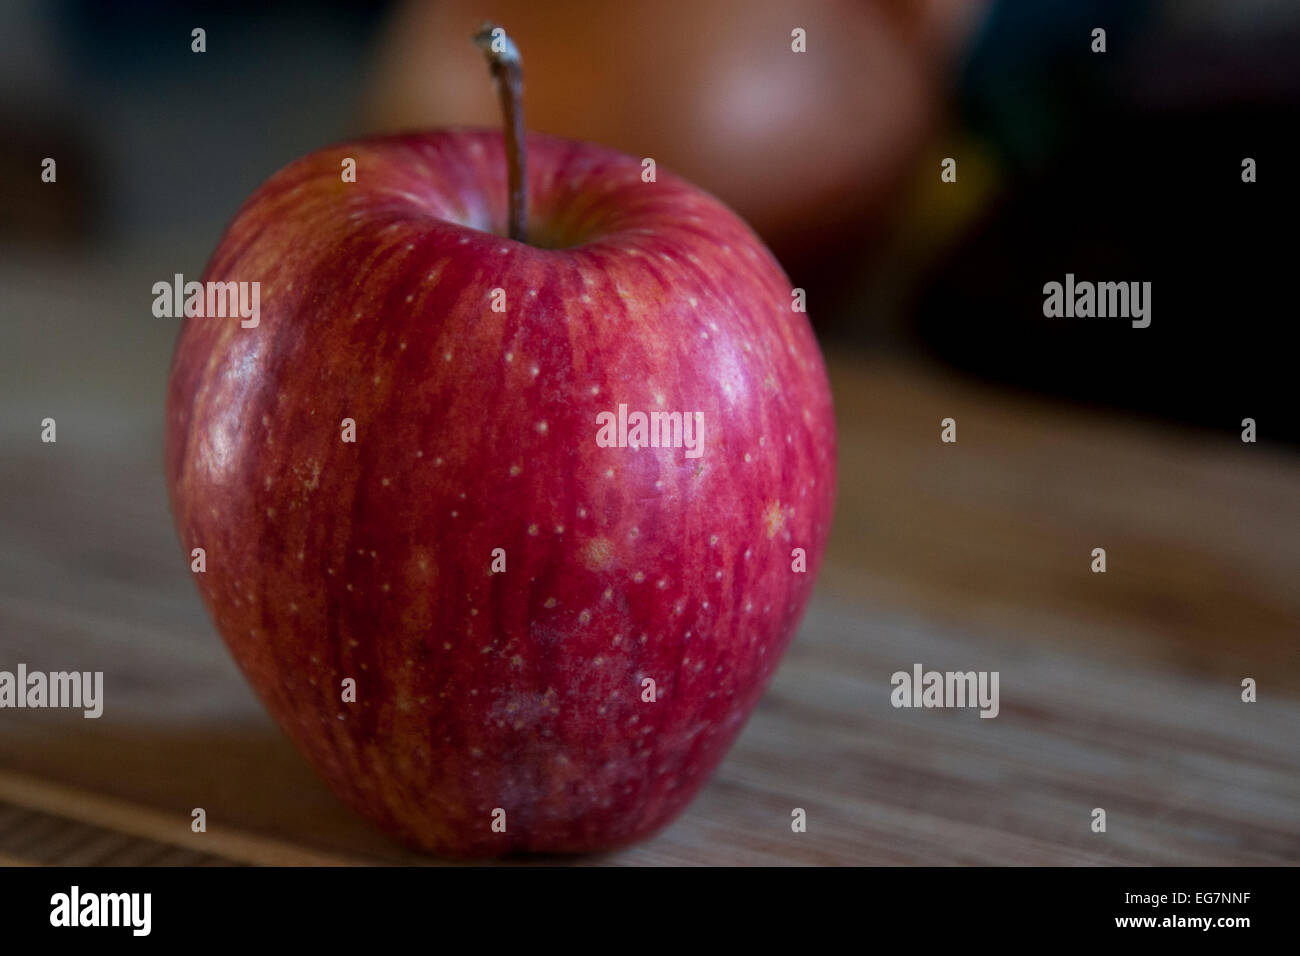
1119,690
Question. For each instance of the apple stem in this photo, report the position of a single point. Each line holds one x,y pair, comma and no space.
508,71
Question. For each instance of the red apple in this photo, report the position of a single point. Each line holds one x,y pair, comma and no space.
521,690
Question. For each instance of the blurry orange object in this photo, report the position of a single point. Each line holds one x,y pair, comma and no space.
801,144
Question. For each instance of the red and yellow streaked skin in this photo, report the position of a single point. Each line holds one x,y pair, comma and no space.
476,430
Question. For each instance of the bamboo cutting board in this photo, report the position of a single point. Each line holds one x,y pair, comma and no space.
1117,690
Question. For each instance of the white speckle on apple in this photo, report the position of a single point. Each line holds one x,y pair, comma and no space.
662,584
410,298
410,248
747,458
385,482
595,390
455,514
609,595
638,577
559,529
584,617
718,575
532,293
515,471
535,371
609,472
584,299
510,356
550,603
532,529
541,427
437,461
713,540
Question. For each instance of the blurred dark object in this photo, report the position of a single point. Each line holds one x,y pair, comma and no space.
33,211
1114,171
138,41
174,139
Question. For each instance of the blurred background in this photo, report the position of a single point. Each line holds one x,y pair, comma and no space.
927,298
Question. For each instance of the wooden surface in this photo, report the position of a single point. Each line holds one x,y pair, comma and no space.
1119,691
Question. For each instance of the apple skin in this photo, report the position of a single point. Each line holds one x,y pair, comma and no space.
475,430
